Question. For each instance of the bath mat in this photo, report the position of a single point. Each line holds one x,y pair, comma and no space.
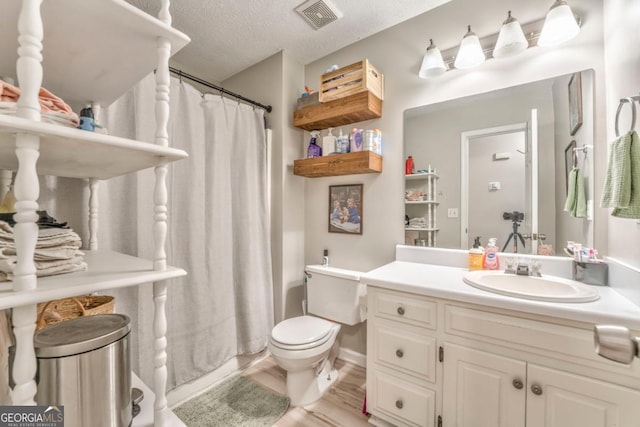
236,402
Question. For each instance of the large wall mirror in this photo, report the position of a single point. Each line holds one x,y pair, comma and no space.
503,161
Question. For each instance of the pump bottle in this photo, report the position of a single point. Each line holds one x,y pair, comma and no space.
490,259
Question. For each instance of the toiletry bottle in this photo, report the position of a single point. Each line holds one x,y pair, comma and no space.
356,140
577,252
490,258
476,255
368,143
329,143
325,258
314,149
342,143
377,140
408,166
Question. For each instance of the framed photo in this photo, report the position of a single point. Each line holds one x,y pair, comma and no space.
569,156
345,209
575,103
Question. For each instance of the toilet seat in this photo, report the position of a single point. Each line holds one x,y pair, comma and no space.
301,333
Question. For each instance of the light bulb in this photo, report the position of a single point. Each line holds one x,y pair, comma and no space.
470,53
432,63
560,25
511,40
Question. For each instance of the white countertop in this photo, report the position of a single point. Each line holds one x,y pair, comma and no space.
447,282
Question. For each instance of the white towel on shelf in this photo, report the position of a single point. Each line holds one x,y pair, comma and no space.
57,251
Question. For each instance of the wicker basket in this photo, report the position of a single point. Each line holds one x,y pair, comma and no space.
70,308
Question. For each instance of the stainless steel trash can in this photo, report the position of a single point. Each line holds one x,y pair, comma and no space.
84,364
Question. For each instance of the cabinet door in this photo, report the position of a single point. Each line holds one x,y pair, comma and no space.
567,400
482,389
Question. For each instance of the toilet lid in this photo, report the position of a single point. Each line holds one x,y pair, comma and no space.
301,330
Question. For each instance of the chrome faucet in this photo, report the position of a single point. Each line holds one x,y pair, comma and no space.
523,267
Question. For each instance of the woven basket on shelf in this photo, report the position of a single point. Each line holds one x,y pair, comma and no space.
70,308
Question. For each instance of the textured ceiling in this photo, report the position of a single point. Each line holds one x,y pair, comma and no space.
229,36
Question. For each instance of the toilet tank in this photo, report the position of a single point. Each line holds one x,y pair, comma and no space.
336,294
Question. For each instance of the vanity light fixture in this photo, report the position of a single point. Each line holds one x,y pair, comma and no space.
511,40
470,53
432,63
560,25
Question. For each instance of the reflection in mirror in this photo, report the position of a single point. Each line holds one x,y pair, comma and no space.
503,160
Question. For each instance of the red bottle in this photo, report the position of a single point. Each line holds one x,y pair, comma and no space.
408,166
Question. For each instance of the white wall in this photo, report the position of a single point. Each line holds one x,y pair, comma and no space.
397,53
622,39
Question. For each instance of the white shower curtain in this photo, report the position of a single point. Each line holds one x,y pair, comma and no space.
218,229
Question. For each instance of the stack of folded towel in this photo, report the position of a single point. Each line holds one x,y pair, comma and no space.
418,222
622,182
57,251
53,108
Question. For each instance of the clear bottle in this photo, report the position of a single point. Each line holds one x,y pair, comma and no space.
475,259
342,143
314,150
476,255
377,140
368,142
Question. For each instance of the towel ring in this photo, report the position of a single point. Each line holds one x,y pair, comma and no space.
633,113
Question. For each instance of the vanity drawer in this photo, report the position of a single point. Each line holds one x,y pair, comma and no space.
405,403
567,343
407,308
412,353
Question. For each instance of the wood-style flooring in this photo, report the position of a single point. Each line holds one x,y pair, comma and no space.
341,406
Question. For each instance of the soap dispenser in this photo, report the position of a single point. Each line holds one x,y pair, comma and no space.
476,255
490,258
329,143
314,149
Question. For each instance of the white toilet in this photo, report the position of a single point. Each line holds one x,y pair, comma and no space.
306,346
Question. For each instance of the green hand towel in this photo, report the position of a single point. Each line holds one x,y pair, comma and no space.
576,203
622,182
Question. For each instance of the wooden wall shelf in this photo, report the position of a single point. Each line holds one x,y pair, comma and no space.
340,112
339,164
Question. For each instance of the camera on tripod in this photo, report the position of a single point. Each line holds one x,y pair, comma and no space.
513,216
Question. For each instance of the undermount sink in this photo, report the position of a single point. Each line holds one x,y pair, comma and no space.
545,288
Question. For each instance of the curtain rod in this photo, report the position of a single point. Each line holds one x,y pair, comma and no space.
181,73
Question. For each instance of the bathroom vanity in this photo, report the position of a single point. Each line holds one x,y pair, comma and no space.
443,353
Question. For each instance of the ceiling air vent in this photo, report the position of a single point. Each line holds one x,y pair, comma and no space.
318,13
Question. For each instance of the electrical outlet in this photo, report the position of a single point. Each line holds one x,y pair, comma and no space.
452,213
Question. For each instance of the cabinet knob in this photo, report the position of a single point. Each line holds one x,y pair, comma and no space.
399,404
401,311
517,383
536,389
399,353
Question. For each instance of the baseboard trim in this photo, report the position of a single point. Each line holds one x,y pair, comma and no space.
189,390
354,357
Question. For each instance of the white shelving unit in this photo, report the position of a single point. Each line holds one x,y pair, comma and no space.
426,183
84,52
